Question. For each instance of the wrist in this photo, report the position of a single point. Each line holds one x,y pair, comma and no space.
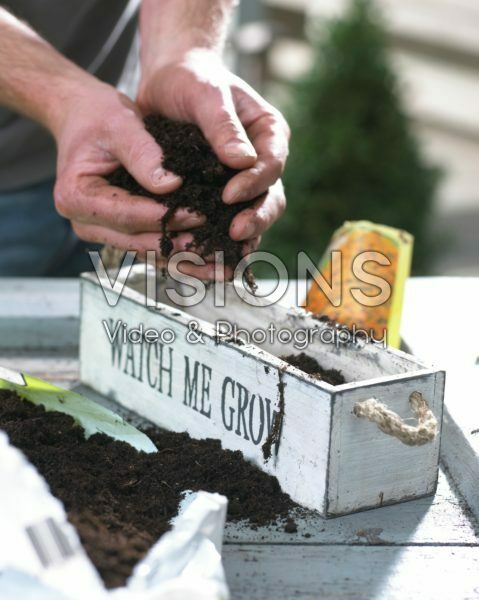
172,28
159,73
183,52
68,91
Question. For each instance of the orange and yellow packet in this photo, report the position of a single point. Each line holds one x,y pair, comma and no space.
373,263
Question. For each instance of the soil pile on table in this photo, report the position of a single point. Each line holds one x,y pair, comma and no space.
310,365
188,154
120,500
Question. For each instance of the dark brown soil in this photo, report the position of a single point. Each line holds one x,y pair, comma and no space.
189,155
121,501
310,365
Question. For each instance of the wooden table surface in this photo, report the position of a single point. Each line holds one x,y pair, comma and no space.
427,548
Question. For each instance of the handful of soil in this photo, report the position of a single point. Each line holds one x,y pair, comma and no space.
121,501
310,365
188,154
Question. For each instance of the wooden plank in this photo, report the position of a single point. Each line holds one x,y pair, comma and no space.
359,573
427,301
371,468
39,314
460,446
422,313
59,369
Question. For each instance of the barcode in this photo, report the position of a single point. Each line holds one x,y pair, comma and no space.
50,542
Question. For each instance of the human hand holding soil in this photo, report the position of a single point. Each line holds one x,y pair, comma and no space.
97,128
245,131
204,178
91,143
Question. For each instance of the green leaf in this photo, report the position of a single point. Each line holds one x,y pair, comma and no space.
88,414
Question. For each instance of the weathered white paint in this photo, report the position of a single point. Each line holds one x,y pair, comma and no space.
368,468
435,520
460,448
358,363
427,303
359,573
39,314
327,458
47,367
454,347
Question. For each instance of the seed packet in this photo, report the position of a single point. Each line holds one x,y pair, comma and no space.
365,268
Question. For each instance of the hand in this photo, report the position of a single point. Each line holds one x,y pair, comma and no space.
98,130
244,130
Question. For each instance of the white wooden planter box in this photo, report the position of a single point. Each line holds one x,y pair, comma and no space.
325,457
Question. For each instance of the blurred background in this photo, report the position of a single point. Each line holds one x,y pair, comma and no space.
383,105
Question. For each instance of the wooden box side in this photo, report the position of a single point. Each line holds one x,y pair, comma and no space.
211,389
369,468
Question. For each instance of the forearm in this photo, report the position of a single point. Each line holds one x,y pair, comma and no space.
35,79
169,28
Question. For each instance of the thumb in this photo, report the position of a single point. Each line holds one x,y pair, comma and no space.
216,116
142,157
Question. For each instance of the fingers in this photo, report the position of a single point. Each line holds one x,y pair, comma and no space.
147,242
141,156
140,243
251,245
255,220
91,200
206,272
216,115
269,134
246,248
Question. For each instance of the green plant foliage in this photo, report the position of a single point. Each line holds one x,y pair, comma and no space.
353,155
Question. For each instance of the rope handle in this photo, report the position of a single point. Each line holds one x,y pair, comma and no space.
391,423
